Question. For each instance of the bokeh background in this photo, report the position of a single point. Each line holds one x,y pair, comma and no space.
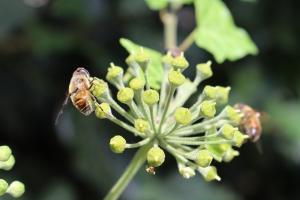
43,41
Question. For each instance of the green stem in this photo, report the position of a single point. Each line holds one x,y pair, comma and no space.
131,170
188,41
169,97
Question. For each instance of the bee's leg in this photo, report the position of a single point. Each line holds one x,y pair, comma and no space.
92,82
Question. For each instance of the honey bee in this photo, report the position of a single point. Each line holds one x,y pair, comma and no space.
150,170
250,123
79,93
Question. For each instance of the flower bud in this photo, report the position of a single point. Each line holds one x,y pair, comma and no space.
208,109
16,189
125,95
209,173
8,165
183,116
155,157
3,187
130,59
114,72
141,125
230,154
239,138
5,153
99,88
227,131
117,144
102,110
142,58
137,84
176,78
204,70
187,172
204,158
167,59
150,97
233,115
180,62
218,93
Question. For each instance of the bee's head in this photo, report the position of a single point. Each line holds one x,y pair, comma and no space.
80,71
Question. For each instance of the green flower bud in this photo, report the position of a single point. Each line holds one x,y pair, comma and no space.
176,78
167,59
187,172
141,125
125,95
227,131
179,62
130,59
155,157
3,187
239,138
137,84
233,114
16,189
8,165
150,97
142,58
230,154
114,72
208,109
117,144
209,173
218,93
204,158
5,153
102,110
99,88
183,116
204,70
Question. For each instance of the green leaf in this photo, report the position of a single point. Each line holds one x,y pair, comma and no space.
217,33
157,4
155,68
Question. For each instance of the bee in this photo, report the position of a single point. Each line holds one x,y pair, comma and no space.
79,93
250,123
150,170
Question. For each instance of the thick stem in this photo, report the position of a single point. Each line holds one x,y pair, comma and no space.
169,19
131,170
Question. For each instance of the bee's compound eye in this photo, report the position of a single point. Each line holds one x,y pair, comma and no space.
82,70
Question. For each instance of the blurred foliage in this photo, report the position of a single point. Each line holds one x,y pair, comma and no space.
39,49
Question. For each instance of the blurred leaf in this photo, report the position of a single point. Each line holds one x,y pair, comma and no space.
46,40
286,116
217,33
155,68
157,4
13,13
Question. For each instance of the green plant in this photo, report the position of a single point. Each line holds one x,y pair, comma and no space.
7,161
155,90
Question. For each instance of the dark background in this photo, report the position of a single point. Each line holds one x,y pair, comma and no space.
41,46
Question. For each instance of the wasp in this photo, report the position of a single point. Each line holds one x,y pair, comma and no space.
79,93
250,122
150,170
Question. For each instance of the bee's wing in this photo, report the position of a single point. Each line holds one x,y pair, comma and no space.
258,146
61,111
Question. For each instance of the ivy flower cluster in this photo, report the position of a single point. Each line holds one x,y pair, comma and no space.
16,189
196,136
